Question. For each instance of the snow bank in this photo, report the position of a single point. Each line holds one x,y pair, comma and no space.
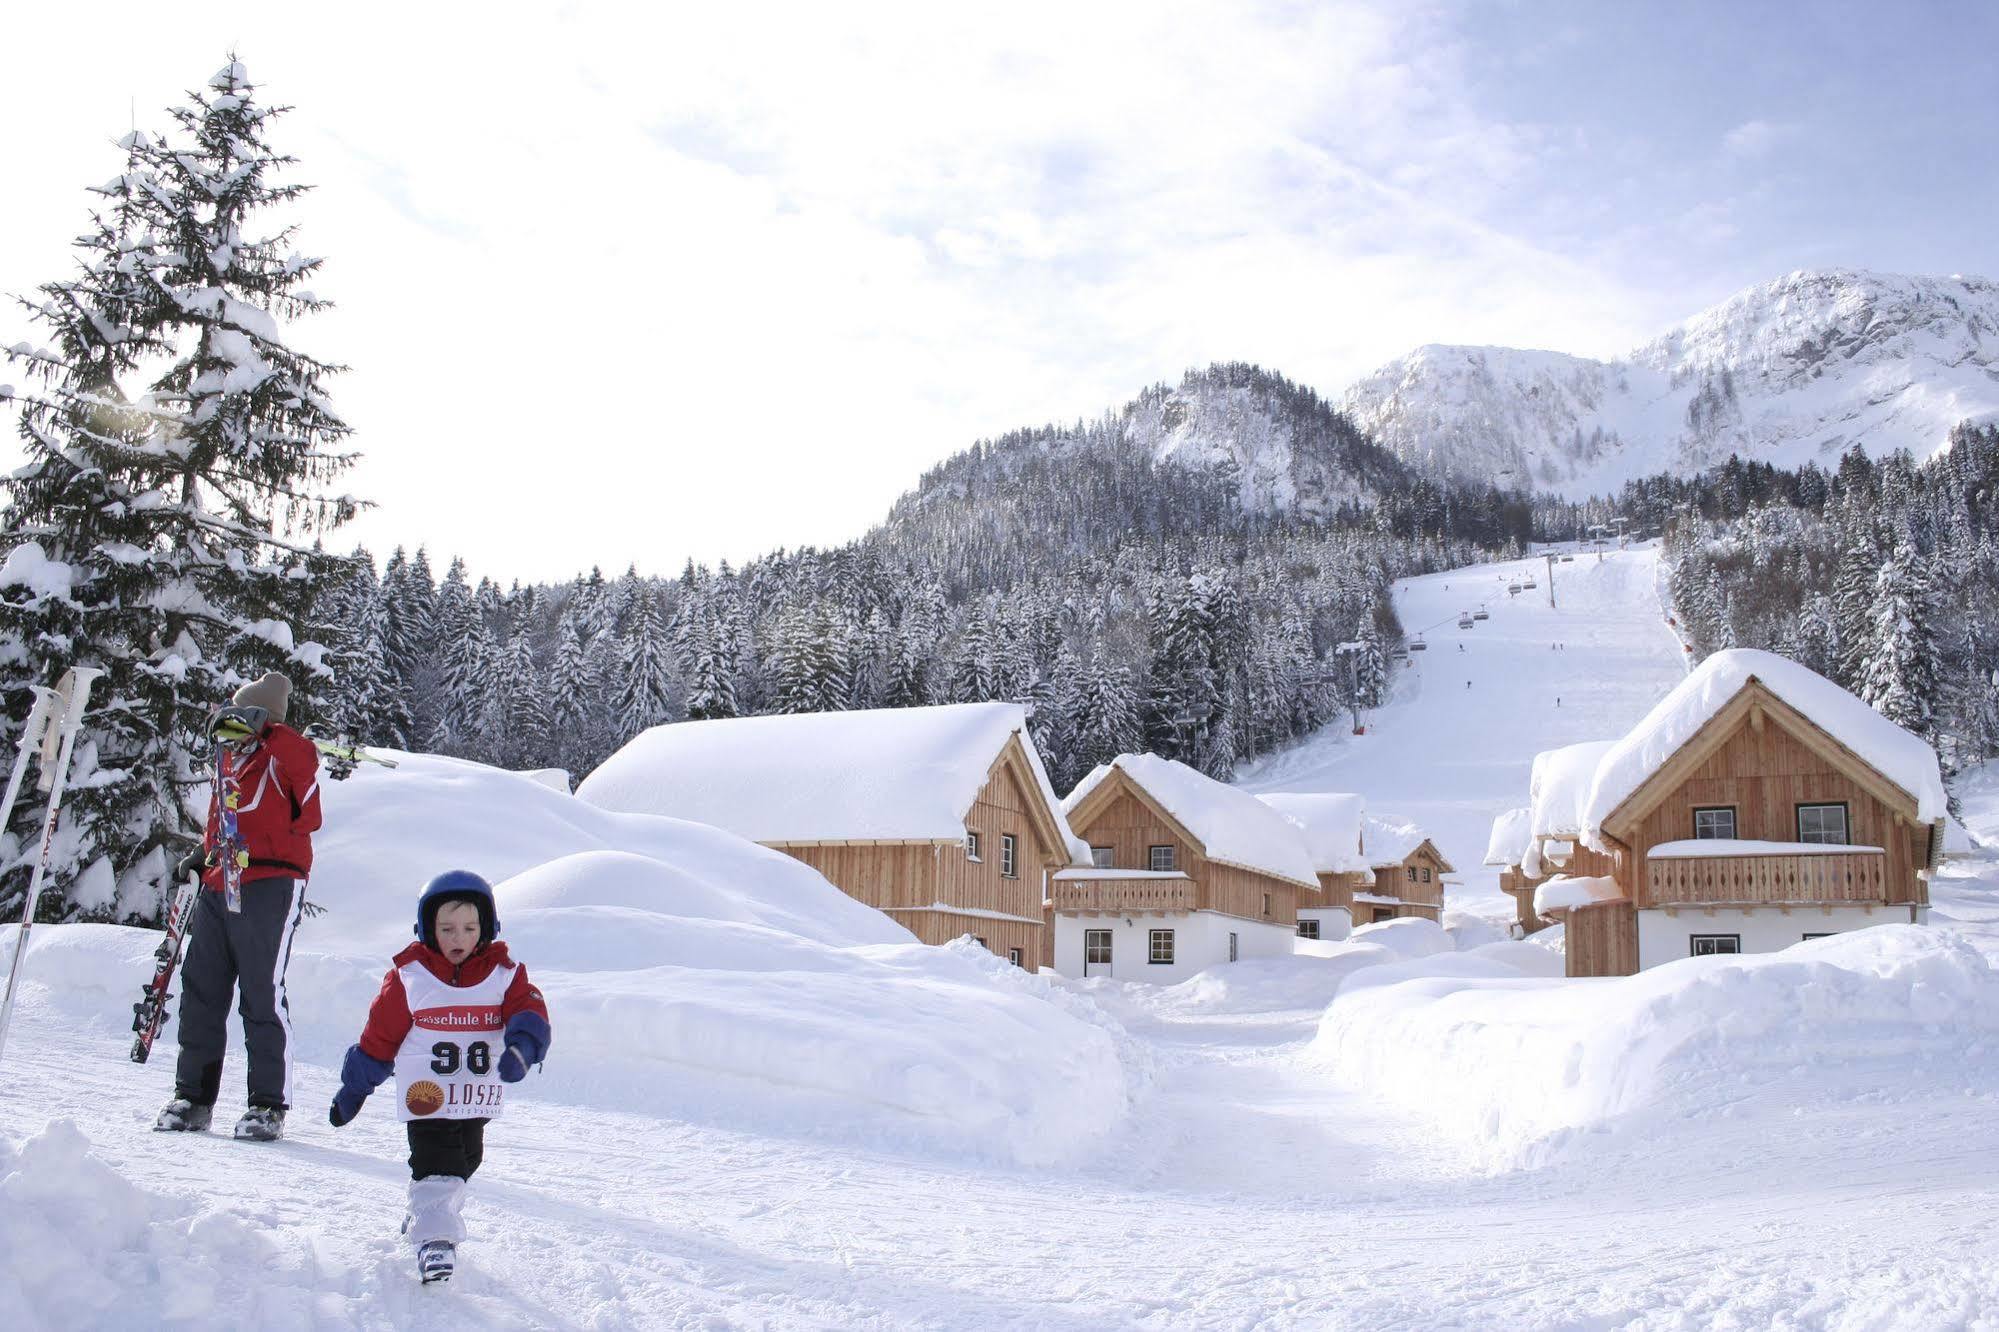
689,973
1331,824
88,1248
388,831
1231,824
1902,758
887,773
1882,1015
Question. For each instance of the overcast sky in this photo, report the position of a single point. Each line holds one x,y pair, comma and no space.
637,285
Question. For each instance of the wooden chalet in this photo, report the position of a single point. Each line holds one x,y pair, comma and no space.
1407,871
940,817
1756,806
1331,823
1185,873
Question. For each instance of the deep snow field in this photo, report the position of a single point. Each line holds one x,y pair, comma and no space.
765,1106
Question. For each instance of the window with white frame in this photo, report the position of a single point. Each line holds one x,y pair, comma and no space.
1717,822
1013,956
1008,847
1097,947
1711,945
1160,859
971,845
1822,825
1426,874
1102,857
1159,948
1308,929
1412,874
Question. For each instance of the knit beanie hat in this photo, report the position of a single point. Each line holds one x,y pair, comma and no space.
273,694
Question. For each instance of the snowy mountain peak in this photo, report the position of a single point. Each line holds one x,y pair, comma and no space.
1794,370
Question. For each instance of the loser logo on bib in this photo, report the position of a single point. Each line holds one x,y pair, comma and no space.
424,1098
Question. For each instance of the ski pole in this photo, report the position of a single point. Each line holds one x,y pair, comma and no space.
31,740
75,689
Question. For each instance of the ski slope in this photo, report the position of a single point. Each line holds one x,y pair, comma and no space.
1453,746
765,1109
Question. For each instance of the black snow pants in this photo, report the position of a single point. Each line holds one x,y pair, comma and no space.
446,1147
248,952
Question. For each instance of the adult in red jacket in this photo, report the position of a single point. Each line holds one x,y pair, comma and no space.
245,945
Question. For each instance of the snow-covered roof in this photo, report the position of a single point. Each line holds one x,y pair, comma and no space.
1706,848
1512,832
1559,788
1231,825
1331,824
1902,758
1564,894
888,774
1390,841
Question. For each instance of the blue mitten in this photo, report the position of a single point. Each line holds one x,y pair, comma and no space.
527,1045
360,1074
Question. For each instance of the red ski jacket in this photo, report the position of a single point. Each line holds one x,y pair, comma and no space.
389,1017
278,808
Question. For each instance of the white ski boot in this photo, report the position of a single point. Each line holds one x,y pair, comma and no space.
435,1260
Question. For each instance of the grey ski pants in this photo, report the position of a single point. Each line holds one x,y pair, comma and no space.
245,951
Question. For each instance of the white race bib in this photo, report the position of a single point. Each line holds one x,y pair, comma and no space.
449,1064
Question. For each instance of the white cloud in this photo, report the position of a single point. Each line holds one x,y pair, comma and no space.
1756,138
706,281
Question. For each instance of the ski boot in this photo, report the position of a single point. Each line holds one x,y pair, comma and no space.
184,1116
261,1123
435,1260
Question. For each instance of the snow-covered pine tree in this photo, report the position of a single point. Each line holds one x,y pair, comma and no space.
364,701
576,693
644,694
210,443
1106,720
1899,673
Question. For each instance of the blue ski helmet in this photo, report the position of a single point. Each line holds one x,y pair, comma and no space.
456,886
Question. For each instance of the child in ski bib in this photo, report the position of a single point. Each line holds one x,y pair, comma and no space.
456,1022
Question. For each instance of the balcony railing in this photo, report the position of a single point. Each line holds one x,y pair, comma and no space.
1114,895
1850,876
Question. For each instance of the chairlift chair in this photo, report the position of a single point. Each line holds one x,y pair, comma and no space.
1464,621
1513,589
1481,615
1529,584
1418,645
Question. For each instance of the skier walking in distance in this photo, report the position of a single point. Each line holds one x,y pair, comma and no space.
456,1018
244,944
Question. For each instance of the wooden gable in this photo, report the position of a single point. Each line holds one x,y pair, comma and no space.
1756,708
1108,801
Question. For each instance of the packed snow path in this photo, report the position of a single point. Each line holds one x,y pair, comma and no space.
1454,745
1246,1192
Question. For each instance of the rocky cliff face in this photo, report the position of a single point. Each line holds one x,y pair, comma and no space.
1795,370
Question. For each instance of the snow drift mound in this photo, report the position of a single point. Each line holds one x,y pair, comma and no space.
88,1248
1893,1013
689,973
388,831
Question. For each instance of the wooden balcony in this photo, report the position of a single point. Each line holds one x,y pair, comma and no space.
1111,896
1847,876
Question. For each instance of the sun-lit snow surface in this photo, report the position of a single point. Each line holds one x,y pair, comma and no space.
890,773
1231,826
1804,1139
1902,758
1454,747
1512,833
1796,370
1331,823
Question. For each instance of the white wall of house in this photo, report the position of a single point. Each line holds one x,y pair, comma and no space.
1335,923
1667,938
1200,941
